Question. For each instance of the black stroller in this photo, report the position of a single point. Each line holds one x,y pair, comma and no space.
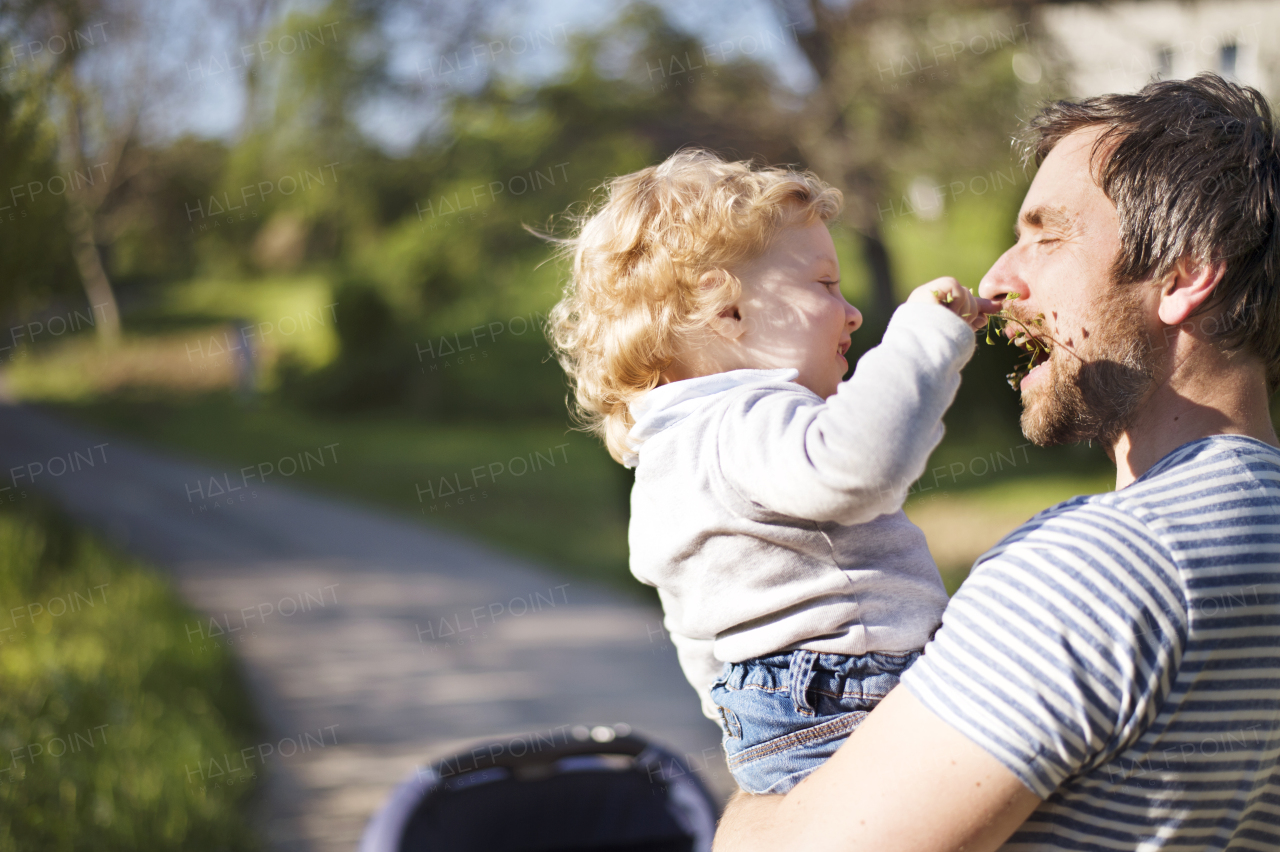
589,790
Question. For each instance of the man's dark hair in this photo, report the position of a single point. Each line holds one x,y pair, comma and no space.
1193,167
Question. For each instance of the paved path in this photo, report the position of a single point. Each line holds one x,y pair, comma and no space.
388,641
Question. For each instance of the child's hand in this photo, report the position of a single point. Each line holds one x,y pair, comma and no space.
948,293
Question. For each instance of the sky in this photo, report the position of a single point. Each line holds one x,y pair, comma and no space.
208,75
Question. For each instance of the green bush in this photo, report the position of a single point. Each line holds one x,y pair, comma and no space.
491,371
373,363
103,707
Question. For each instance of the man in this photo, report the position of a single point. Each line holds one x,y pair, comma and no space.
1109,675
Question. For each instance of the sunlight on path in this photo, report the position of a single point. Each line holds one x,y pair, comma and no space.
372,644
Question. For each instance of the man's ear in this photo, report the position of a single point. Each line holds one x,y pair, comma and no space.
728,323
1187,287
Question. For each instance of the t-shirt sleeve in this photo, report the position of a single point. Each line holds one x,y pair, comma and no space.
1057,652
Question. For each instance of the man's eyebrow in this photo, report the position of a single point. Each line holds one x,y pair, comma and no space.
1054,218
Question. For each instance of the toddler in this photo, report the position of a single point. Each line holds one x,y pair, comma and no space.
705,334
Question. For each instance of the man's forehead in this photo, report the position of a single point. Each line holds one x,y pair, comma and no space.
1064,190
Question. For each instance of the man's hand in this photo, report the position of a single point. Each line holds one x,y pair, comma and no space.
948,293
905,781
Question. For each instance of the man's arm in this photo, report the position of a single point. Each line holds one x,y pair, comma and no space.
1055,655
906,781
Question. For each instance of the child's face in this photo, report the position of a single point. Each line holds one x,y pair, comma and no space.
792,311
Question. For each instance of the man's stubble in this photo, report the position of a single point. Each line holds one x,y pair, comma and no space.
1094,390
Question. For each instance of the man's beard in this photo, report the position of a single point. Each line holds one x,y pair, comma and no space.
1093,393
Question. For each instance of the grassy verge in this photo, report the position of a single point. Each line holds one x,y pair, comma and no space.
103,709
539,490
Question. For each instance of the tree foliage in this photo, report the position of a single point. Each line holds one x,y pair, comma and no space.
35,264
436,229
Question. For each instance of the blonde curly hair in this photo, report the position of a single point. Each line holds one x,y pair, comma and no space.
637,292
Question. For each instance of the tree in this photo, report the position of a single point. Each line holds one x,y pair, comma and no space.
96,128
892,90
34,254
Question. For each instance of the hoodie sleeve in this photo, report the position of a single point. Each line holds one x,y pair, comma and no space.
852,458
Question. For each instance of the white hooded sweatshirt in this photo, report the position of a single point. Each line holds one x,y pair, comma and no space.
771,520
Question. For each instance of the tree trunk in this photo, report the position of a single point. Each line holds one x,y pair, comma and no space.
876,258
82,205
97,286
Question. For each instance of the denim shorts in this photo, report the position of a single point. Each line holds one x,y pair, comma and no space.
784,714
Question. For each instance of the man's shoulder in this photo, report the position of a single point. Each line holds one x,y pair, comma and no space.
1095,528
1200,470
1224,479
1203,475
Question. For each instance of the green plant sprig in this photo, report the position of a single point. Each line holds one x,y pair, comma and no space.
948,299
995,328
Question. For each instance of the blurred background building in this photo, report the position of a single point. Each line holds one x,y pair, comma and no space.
1118,47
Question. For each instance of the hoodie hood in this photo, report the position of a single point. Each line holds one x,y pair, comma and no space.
666,405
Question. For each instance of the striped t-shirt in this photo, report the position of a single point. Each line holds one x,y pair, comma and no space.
1120,654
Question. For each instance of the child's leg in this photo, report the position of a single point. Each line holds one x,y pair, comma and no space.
784,714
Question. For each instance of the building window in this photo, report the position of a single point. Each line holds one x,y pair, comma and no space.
1227,55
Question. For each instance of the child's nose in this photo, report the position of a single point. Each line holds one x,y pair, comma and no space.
853,317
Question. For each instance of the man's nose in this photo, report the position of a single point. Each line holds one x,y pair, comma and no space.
1003,278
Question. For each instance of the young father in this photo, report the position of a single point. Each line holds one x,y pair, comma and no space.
1108,678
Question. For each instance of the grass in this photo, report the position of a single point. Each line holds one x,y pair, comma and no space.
963,523
102,706
189,339
539,490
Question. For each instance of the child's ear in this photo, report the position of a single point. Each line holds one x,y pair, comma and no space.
728,323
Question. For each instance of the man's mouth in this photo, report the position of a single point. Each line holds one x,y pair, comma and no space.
843,347
1038,350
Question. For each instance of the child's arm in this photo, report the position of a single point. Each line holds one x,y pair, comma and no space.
948,293
854,458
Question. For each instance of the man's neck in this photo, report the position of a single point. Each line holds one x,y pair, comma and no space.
1207,394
